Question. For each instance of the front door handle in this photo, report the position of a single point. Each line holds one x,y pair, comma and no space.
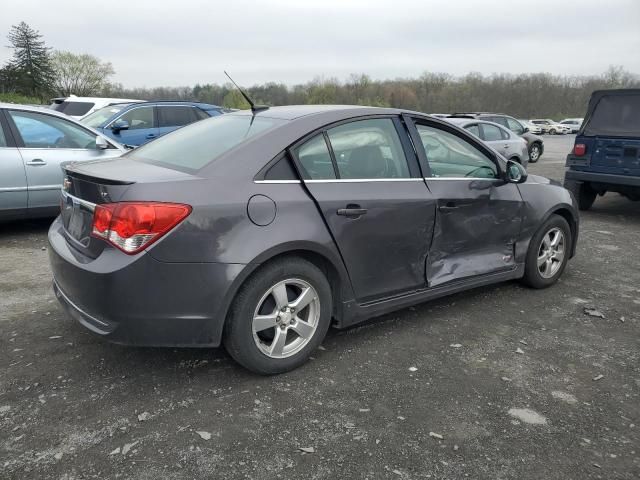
506,146
450,206
151,135
352,211
36,162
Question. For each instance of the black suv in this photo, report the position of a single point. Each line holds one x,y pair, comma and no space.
535,144
606,153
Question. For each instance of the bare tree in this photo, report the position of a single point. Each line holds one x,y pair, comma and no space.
83,75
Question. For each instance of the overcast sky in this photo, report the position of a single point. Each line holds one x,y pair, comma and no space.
157,42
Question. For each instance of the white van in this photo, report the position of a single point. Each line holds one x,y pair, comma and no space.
78,107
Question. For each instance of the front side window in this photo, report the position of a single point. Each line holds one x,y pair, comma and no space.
514,126
196,145
46,131
3,139
491,133
175,116
315,159
138,118
368,149
450,156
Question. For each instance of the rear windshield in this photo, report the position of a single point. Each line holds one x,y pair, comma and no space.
616,115
194,146
99,117
75,109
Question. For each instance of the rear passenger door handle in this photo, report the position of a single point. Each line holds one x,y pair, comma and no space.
352,211
450,206
151,135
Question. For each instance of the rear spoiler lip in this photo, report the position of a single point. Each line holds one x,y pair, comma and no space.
69,171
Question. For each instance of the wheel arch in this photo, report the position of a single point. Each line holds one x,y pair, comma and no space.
328,262
571,219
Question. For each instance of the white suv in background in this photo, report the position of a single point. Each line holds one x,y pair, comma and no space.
79,107
550,126
573,123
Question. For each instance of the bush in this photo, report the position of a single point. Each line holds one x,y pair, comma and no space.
17,98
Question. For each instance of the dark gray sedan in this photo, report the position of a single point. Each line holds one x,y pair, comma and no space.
260,229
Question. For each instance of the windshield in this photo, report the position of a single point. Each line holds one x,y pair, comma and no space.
75,109
194,146
99,117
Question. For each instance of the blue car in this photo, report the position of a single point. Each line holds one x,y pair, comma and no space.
137,123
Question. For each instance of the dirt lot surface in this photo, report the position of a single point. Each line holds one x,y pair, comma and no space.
497,383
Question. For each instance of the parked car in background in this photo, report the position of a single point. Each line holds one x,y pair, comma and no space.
261,229
606,153
79,107
550,126
34,142
572,123
535,129
501,139
535,144
137,123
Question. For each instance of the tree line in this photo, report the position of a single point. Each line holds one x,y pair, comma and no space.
39,72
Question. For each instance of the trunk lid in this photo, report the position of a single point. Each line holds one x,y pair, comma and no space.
87,184
618,156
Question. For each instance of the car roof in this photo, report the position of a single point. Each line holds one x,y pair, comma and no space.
465,121
73,98
292,112
32,108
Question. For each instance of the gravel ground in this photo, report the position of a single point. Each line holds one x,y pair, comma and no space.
496,383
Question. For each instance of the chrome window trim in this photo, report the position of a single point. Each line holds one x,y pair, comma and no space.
38,188
88,205
364,180
276,181
463,178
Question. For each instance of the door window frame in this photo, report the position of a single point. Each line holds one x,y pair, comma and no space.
407,149
412,120
192,107
6,129
19,142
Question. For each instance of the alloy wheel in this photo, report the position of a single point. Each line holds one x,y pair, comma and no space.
286,318
551,253
535,153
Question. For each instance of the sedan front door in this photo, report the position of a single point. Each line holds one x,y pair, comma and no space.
44,142
366,183
13,179
478,216
142,126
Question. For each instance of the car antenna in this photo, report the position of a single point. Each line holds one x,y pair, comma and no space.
254,108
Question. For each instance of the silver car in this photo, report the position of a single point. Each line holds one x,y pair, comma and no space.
34,142
510,145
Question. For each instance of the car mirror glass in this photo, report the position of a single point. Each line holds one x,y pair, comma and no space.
101,143
515,172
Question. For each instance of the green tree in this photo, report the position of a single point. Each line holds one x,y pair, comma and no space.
234,99
83,75
31,61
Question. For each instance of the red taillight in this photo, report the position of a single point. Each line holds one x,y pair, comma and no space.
579,149
133,226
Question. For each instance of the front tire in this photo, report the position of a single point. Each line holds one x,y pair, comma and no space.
548,253
552,131
279,317
534,153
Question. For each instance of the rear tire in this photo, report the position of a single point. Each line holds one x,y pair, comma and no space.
584,194
548,253
266,331
552,131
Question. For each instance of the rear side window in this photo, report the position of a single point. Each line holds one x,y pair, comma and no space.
315,159
617,115
514,126
201,115
75,109
176,116
474,129
491,133
199,144
368,149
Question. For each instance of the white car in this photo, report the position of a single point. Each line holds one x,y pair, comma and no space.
535,129
573,124
550,126
79,107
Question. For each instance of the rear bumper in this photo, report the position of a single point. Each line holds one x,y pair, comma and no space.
602,178
138,300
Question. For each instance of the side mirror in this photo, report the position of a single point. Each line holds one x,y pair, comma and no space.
119,125
101,143
525,130
515,173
